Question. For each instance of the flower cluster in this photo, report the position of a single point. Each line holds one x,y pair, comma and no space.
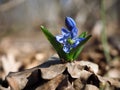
68,45
69,37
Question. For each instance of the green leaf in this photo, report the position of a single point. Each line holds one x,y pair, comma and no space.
76,51
83,35
58,47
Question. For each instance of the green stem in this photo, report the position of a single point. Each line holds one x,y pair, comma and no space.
103,33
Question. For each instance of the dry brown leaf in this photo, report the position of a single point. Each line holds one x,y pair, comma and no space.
65,85
56,75
52,71
91,87
52,84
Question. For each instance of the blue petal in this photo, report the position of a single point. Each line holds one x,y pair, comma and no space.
75,44
66,48
66,34
74,32
70,23
80,39
77,41
60,38
64,31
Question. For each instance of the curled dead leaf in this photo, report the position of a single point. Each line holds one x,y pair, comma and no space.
55,75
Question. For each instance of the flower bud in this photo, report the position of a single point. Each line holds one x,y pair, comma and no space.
70,23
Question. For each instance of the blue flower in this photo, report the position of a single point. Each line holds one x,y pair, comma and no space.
69,37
